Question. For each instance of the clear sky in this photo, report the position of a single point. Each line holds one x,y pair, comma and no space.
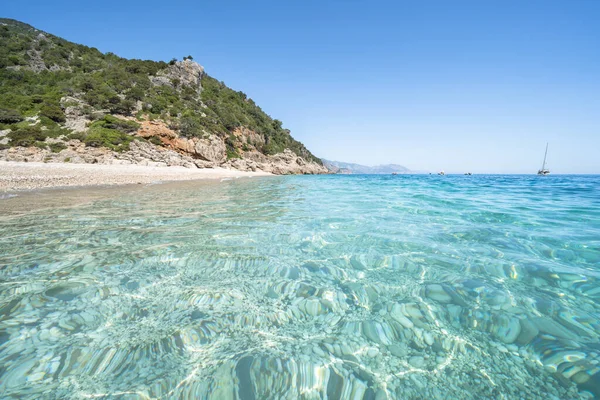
476,86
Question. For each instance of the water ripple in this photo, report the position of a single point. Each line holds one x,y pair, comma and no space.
357,287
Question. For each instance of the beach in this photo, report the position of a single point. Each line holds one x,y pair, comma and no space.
17,176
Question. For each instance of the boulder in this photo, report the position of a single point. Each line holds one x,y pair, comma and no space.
211,149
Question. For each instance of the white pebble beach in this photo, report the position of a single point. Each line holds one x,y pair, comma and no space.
16,176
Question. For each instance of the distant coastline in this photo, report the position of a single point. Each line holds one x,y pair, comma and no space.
340,167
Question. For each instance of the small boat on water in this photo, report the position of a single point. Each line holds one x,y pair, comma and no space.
394,173
544,171
441,173
468,173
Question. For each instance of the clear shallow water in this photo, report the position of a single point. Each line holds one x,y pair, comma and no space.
331,287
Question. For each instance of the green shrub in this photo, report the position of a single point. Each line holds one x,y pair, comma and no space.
135,93
190,126
232,151
26,136
110,138
10,116
122,125
76,136
56,131
54,112
57,147
124,107
155,140
233,154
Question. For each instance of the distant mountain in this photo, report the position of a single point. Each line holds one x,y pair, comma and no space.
339,167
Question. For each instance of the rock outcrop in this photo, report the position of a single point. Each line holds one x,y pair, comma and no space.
76,119
208,152
211,151
180,73
286,163
140,153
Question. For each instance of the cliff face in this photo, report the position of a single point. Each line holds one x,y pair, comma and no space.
63,102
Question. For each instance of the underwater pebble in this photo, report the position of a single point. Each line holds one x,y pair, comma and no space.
447,344
581,377
416,379
397,351
553,328
37,376
381,395
397,314
345,349
65,325
372,352
508,329
428,337
317,350
416,361
437,293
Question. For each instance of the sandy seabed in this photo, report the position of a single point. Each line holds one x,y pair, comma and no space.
15,176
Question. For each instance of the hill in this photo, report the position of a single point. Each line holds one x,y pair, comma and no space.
350,168
66,102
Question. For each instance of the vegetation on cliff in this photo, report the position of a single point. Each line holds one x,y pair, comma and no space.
41,75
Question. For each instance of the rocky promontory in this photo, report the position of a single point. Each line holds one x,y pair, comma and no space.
65,102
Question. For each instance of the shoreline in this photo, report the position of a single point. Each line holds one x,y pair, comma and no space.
24,176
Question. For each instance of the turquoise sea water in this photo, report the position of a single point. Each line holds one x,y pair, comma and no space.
353,287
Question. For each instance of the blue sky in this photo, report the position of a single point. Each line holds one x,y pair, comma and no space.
457,85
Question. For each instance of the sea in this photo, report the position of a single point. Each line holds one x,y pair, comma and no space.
304,287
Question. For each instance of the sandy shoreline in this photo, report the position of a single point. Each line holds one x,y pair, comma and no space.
16,176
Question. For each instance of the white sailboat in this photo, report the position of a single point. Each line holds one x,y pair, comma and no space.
544,171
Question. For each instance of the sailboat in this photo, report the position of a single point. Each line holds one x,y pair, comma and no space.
544,171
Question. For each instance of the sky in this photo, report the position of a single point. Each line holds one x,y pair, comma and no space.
477,86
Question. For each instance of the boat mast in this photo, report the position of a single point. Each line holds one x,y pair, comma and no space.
545,154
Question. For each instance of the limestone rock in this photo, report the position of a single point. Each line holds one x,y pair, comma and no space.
155,128
211,149
248,137
285,163
77,120
144,153
187,72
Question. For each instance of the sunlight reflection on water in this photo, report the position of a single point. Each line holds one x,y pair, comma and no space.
304,287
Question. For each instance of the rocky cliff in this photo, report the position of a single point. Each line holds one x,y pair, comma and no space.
63,102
